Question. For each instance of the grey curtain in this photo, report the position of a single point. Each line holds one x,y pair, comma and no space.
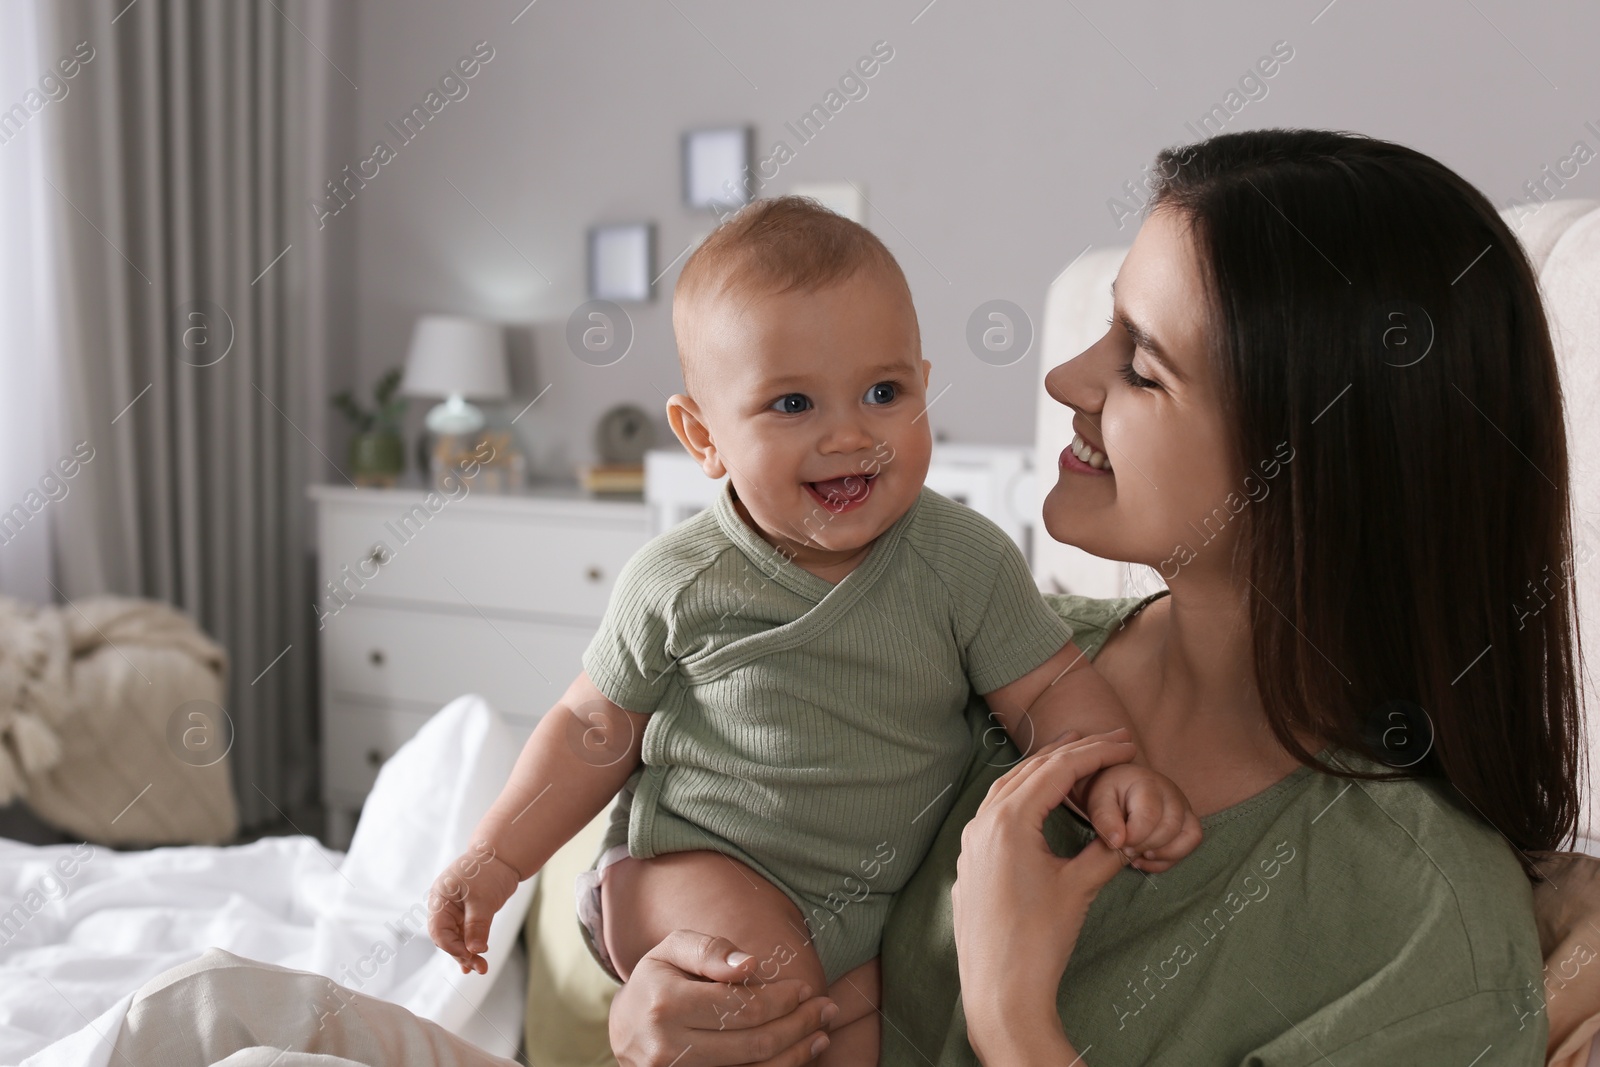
195,327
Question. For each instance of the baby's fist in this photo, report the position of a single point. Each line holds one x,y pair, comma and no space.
463,901
1144,814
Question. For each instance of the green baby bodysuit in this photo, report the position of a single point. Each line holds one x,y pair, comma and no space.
812,730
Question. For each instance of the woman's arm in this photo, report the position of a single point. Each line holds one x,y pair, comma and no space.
1018,907
1013,1039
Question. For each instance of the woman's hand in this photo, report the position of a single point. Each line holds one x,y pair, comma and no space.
678,1008
1018,907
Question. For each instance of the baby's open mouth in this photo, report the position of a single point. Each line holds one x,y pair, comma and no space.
840,494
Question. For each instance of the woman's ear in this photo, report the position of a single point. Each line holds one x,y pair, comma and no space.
683,415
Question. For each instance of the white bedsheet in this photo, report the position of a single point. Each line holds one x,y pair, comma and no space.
82,927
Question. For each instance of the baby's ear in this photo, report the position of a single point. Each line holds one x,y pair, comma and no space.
927,368
683,415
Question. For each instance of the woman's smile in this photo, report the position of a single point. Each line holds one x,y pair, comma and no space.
1082,458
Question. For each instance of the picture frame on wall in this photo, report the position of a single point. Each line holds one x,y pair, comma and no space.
841,198
716,167
621,261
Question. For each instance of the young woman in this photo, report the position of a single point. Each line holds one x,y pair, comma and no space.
1329,408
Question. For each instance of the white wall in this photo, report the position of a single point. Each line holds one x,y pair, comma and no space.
990,145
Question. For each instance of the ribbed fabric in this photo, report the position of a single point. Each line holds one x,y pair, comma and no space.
814,731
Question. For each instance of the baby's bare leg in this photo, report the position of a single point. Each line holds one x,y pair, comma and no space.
641,901
857,1033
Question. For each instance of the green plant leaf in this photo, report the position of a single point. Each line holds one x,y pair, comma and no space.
359,417
386,386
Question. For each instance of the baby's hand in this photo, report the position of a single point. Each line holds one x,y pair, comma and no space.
1144,814
464,899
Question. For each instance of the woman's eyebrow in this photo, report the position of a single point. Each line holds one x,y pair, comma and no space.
1145,340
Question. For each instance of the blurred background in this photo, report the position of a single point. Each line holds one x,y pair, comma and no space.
218,217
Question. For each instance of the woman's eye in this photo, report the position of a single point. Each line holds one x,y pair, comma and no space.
1131,376
1137,380
881,393
791,403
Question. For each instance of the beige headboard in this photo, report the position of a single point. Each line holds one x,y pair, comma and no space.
1075,313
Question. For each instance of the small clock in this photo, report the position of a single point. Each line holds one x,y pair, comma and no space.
623,435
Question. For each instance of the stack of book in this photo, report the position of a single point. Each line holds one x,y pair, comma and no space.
612,477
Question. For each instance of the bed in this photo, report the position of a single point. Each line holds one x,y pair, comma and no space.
91,925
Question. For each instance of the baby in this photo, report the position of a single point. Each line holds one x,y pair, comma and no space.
775,696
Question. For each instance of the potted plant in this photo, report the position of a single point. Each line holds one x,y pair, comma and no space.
378,450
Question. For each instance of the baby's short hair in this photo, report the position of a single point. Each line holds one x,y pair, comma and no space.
777,245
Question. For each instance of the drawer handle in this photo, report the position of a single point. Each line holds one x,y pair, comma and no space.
379,555
593,574
374,758
376,656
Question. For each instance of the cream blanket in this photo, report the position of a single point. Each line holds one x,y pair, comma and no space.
240,1013
111,724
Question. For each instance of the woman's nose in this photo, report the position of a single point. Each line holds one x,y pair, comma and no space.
1073,383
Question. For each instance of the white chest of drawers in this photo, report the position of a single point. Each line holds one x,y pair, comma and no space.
420,600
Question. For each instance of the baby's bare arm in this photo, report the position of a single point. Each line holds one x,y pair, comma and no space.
576,760
1130,804
579,755
1063,693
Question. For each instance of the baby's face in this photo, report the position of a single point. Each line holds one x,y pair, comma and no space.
817,406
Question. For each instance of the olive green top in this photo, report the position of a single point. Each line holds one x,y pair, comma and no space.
1322,921
813,730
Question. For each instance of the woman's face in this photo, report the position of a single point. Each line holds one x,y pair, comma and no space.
1145,399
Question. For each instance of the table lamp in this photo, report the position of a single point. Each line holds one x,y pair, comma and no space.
456,357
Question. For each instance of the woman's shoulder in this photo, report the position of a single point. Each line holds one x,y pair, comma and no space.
1095,619
1438,858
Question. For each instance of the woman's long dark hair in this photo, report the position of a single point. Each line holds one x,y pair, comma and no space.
1371,308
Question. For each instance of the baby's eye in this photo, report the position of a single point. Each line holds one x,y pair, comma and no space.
881,393
791,403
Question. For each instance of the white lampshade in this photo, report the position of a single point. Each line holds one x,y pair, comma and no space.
452,355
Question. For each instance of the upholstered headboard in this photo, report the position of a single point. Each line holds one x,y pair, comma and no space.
1075,312
1562,238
